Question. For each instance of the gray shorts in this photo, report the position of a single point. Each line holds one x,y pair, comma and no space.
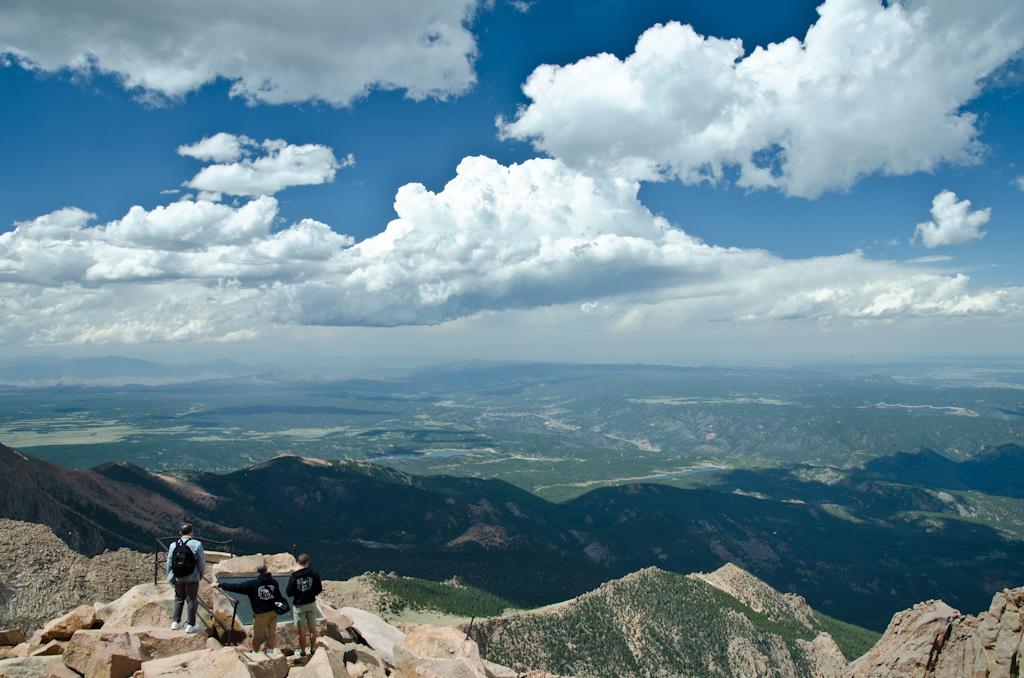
305,615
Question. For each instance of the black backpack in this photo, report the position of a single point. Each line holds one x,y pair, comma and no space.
183,559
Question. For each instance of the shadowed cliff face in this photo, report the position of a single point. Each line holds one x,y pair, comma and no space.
998,470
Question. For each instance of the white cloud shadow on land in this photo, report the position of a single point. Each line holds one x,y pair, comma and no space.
281,165
496,239
952,222
871,88
273,52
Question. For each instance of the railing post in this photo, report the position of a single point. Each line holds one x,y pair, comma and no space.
156,560
231,632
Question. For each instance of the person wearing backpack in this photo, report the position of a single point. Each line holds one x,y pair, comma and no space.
186,565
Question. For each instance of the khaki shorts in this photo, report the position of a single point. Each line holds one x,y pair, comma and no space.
305,615
264,624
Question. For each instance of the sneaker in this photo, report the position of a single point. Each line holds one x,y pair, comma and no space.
268,652
192,628
175,626
302,653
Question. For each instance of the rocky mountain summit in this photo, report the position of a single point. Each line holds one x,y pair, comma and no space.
653,622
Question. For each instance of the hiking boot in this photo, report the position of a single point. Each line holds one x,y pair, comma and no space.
175,626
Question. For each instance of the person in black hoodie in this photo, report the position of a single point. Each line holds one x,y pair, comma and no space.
304,586
262,592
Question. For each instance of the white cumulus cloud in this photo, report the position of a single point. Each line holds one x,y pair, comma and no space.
953,223
272,51
496,239
281,165
1019,182
871,88
221,147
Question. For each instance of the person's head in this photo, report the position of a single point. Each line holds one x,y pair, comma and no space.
186,530
303,559
261,567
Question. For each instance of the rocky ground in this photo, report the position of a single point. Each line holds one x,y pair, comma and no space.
130,637
41,578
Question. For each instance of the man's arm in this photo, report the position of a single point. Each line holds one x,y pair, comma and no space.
290,590
201,559
318,586
241,587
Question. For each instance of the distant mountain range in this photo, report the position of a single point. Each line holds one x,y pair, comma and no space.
998,470
359,517
116,369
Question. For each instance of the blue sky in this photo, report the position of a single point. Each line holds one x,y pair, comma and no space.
680,200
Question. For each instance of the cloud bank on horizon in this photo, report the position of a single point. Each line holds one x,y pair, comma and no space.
497,238
871,89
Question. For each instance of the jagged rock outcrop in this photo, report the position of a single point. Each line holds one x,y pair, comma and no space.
759,596
825,658
933,640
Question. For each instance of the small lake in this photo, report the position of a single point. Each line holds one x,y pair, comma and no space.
689,472
428,454
924,408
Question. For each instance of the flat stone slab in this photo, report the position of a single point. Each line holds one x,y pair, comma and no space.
377,633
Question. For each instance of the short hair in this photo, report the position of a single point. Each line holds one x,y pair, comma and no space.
303,559
261,567
186,528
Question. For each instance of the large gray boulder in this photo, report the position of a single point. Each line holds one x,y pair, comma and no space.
62,628
438,651
324,664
